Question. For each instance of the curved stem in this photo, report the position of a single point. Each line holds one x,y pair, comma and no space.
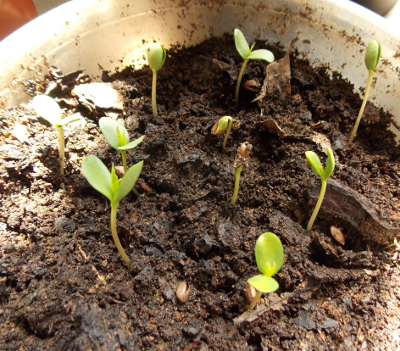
114,208
360,113
318,204
153,94
237,182
239,81
228,130
61,148
255,300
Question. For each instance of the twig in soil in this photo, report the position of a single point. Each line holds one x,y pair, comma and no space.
87,260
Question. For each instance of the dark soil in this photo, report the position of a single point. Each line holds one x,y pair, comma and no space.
65,287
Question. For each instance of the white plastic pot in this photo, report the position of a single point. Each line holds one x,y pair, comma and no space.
105,34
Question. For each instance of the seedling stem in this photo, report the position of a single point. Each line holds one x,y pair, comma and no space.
237,183
114,210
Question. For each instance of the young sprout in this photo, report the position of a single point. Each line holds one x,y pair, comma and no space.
395,243
156,55
222,125
324,174
247,54
113,188
269,259
241,160
118,137
47,108
371,59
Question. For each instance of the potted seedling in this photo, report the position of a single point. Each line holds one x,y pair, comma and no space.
241,160
371,59
324,174
114,189
269,258
224,124
247,53
156,55
118,137
47,108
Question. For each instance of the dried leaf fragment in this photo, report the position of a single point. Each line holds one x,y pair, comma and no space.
277,78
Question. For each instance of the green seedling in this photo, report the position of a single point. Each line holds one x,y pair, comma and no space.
324,174
395,243
371,59
47,108
247,53
100,178
222,125
241,160
269,259
118,137
156,55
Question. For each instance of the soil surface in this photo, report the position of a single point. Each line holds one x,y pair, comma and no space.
63,284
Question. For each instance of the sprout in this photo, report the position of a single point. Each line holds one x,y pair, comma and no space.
113,188
241,160
324,174
371,59
47,108
156,55
118,137
269,259
247,53
395,243
222,125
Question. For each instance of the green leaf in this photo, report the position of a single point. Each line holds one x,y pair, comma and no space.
330,163
156,55
372,55
269,254
132,144
262,54
97,175
241,44
110,127
263,283
315,163
47,108
128,181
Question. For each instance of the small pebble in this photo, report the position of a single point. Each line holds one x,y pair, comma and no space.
9,248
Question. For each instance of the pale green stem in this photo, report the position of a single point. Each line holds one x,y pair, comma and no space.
360,113
228,130
153,94
255,300
237,182
114,208
61,148
123,155
239,81
318,204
